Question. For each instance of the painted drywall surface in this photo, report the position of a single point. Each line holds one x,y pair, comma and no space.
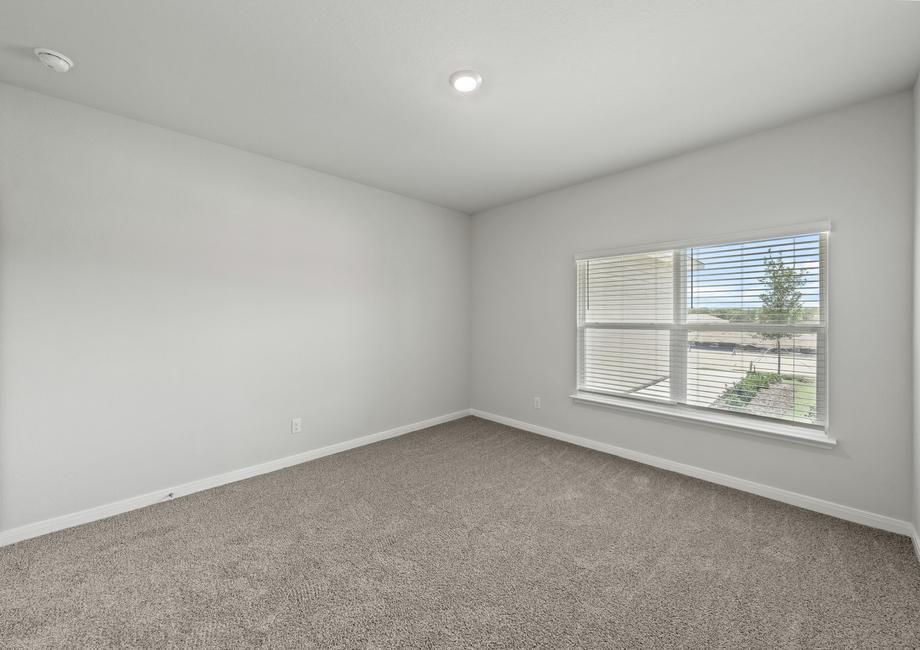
916,339
852,167
167,305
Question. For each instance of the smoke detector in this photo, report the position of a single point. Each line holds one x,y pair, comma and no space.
54,60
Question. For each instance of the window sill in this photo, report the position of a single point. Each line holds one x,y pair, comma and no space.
776,430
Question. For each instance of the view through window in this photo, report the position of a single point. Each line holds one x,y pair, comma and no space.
737,327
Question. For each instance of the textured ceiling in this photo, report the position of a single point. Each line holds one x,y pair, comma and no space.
358,88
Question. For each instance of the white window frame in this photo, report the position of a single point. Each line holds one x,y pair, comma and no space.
811,435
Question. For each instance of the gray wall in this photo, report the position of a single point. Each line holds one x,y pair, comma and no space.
853,167
916,339
167,305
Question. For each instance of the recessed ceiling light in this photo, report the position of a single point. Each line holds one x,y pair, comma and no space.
465,81
54,60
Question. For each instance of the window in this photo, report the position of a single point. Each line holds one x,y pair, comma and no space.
735,329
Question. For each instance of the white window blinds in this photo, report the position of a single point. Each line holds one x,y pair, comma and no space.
737,327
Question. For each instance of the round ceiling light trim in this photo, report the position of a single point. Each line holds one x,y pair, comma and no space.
465,81
53,60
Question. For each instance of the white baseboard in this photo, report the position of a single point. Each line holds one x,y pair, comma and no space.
28,531
847,513
777,494
915,536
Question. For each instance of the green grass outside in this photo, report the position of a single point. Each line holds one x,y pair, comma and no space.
805,404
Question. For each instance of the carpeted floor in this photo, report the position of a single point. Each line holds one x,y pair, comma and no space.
468,534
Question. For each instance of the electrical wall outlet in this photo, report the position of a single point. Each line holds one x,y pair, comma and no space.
296,425
537,403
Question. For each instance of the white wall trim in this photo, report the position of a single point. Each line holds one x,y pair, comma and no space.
731,421
847,513
28,531
915,536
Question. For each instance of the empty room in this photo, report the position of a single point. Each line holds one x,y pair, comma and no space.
333,324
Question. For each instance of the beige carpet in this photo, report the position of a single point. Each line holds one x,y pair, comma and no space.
469,534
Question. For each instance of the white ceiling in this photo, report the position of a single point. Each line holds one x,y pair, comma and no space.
572,89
